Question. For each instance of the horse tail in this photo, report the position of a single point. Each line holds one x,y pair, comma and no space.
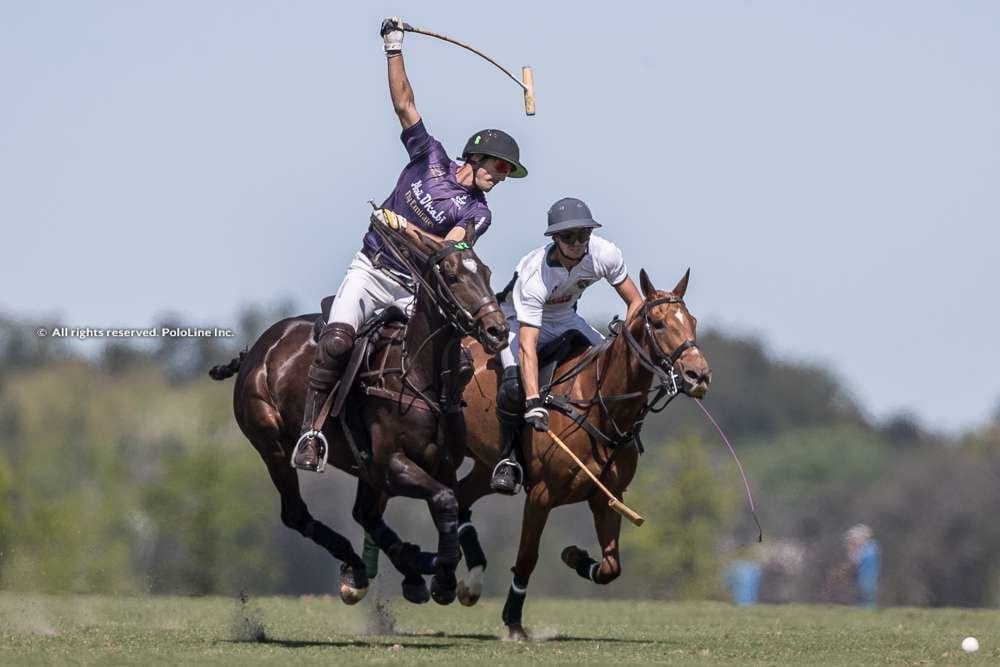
223,371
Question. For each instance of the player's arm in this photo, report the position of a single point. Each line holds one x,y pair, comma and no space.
398,223
630,296
399,84
527,339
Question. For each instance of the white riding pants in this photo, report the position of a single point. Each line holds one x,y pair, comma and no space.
550,331
365,291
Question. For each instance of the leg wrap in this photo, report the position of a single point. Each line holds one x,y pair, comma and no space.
515,602
338,545
587,568
384,536
471,548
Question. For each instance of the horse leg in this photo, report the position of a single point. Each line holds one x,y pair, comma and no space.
406,478
407,558
295,515
469,489
536,513
608,524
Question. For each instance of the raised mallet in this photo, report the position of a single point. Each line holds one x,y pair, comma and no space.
527,84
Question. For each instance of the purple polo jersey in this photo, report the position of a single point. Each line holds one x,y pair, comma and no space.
428,195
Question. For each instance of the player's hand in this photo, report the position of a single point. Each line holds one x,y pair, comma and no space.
536,415
393,221
392,34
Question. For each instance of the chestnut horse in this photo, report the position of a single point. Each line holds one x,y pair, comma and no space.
413,419
607,387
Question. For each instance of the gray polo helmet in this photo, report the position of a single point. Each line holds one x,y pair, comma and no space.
569,213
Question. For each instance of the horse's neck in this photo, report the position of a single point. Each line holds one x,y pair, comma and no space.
425,341
621,373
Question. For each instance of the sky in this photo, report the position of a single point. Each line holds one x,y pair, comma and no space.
829,171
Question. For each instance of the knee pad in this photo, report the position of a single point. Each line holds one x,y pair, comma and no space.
334,347
510,396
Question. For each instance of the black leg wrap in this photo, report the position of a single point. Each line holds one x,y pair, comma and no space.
338,545
473,551
383,535
583,567
464,515
515,604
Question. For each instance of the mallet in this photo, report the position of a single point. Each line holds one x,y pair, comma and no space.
528,83
613,502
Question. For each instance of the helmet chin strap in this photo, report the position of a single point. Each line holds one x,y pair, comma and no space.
475,165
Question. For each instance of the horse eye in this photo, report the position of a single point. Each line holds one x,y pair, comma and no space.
659,324
451,278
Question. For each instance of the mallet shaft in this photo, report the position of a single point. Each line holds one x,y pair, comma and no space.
409,28
613,501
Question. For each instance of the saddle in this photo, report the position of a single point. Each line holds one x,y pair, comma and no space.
552,354
363,342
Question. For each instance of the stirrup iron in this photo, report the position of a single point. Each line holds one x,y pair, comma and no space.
517,468
323,448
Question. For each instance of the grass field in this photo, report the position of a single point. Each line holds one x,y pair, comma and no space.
36,629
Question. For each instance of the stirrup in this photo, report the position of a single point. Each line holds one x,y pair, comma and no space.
324,448
517,468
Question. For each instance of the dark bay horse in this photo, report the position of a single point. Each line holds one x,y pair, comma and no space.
609,388
413,418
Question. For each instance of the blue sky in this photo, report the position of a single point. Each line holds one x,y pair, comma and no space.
829,171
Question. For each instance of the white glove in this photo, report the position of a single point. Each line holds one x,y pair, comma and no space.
392,34
391,220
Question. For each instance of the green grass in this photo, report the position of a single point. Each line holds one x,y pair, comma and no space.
37,629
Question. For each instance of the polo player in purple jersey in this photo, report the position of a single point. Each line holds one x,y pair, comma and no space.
434,197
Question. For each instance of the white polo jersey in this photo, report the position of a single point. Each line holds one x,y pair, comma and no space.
545,294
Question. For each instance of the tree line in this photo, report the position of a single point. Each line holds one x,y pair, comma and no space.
122,471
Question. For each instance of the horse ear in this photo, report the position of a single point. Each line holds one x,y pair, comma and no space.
682,285
645,283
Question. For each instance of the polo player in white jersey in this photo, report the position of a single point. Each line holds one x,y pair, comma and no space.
540,307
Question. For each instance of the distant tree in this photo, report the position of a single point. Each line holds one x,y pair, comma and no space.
690,508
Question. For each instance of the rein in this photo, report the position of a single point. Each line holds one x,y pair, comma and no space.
454,314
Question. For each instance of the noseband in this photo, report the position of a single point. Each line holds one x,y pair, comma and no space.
659,363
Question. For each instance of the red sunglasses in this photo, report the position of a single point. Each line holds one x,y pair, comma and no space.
503,168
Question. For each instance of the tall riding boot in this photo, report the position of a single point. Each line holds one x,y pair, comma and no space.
333,351
508,474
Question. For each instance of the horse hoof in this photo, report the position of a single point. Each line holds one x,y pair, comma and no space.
351,595
353,583
467,596
516,633
415,591
572,555
442,594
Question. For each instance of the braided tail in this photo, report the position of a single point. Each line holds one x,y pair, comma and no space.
223,371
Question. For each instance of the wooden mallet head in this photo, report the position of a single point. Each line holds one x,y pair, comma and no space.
528,79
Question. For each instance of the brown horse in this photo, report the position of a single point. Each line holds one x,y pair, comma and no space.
607,389
413,418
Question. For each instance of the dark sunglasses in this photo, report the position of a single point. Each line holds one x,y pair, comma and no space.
579,236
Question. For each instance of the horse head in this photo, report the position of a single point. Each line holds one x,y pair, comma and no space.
671,333
459,284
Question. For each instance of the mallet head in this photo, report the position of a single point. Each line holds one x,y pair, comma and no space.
528,79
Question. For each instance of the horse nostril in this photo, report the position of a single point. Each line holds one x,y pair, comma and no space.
693,377
495,332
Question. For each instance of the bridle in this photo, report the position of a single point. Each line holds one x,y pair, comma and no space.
465,320
661,364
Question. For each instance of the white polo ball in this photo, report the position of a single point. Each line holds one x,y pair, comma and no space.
970,644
